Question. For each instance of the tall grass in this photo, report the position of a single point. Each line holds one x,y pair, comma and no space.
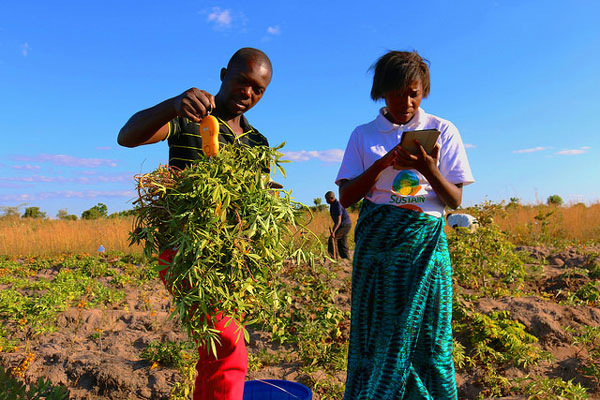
530,225
551,224
321,223
43,237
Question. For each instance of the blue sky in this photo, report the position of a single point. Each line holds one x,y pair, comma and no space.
520,80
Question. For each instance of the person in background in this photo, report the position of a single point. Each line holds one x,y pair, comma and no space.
341,227
243,84
400,332
462,220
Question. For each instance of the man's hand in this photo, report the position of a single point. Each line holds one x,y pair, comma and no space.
274,185
194,104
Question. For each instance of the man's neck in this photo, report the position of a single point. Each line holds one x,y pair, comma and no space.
234,122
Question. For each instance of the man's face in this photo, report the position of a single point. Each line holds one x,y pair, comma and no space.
243,85
403,104
330,199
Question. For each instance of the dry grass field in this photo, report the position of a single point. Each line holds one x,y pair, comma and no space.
523,224
45,237
526,318
576,222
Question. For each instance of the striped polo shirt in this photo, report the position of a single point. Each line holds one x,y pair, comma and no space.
185,142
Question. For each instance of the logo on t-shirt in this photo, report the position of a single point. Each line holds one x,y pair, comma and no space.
406,183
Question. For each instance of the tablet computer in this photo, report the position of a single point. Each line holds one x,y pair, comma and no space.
427,138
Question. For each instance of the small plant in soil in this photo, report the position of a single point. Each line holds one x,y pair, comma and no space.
169,354
495,342
555,388
13,389
587,339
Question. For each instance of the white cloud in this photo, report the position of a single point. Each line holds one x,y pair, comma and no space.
25,49
533,150
11,185
221,18
68,194
33,179
88,194
27,167
274,30
469,146
572,152
333,155
68,161
61,179
16,197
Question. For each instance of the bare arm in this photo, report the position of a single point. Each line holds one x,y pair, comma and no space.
151,125
450,194
337,224
353,190
147,126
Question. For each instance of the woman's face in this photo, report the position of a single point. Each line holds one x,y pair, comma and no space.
403,104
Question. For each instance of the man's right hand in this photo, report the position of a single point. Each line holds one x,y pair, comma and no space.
152,125
194,104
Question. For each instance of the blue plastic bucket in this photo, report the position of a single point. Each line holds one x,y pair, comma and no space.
276,389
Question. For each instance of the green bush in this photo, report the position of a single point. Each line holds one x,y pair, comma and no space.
169,354
64,215
34,212
232,232
486,345
554,200
98,211
485,258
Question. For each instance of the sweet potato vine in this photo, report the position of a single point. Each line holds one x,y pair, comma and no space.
231,232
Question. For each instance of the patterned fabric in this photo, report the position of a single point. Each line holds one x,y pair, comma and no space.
400,333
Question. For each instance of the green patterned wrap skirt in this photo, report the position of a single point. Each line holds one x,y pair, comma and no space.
400,331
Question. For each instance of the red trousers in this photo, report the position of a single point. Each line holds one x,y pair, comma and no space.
220,378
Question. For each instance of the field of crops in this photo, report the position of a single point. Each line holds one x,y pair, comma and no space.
526,316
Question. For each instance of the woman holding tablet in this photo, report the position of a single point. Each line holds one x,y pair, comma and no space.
400,334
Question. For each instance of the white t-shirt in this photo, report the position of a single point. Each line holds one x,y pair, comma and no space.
405,188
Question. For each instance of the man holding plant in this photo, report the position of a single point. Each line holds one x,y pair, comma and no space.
243,83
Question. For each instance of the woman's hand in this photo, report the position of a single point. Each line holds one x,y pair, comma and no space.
422,162
426,164
389,159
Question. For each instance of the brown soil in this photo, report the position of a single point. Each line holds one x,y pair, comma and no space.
96,352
